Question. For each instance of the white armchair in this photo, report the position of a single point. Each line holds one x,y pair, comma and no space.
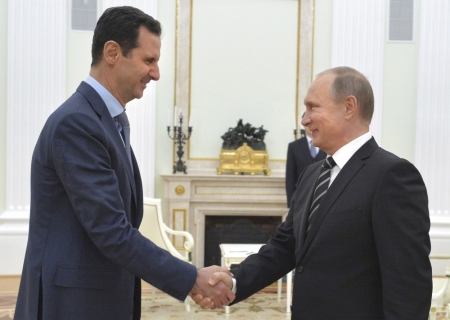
437,298
153,227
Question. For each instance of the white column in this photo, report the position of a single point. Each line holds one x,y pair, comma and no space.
35,87
358,42
141,113
433,117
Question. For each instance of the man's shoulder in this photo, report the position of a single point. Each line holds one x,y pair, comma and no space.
76,109
76,103
84,100
382,155
382,160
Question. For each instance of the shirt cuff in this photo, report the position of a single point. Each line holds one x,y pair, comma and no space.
234,289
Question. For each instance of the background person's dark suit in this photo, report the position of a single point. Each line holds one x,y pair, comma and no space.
85,256
366,254
298,158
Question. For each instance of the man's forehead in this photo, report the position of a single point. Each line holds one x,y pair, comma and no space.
321,84
324,80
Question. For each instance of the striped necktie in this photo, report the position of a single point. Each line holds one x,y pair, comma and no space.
321,187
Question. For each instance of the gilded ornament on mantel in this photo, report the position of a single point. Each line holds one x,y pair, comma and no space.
179,190
244,160
244,151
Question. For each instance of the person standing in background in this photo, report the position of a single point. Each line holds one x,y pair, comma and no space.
301,153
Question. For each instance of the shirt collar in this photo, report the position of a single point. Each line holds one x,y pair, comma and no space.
114,107
344,154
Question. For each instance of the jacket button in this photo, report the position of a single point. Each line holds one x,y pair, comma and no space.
300,269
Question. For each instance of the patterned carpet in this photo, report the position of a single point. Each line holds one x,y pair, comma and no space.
260,306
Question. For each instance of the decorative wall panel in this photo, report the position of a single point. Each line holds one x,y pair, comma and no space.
35,87
358,42
433,112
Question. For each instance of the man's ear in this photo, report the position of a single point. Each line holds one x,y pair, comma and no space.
351,106
111,52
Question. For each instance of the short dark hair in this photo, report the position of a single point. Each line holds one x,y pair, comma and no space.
121,24
349,81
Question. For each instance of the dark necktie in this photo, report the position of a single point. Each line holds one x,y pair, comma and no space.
320,188
125,132
313,151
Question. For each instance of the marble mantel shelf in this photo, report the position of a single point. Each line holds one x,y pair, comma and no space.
189,198
234,177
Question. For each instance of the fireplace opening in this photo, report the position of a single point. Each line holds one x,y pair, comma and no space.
232,229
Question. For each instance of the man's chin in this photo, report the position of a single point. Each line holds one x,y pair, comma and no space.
139,95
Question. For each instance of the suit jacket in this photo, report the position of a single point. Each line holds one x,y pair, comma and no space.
298,158
366,254
85,256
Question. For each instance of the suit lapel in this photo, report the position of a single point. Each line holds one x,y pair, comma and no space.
139,193
345,176
308,182
105,117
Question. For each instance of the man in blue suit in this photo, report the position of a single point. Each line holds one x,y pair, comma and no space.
85,256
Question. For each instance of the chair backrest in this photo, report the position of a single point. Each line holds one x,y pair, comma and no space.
152,227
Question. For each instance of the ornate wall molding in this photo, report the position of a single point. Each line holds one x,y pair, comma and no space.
188,89
35,87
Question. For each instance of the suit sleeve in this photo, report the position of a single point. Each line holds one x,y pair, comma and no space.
273,261
401,224
291,174
82,158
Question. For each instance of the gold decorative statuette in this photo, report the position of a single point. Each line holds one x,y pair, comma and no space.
244,160
243,150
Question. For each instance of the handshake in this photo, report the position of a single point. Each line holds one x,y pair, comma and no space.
212,289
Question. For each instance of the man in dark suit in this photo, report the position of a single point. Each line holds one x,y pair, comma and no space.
301,153
85,256
359,247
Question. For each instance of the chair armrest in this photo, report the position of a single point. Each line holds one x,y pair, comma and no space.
440,256
188,244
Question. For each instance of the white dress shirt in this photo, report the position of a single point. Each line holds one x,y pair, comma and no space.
344,154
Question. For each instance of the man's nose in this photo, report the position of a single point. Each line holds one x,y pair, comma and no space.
306,119
154,73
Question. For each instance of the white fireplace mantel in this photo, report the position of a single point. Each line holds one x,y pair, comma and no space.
189,198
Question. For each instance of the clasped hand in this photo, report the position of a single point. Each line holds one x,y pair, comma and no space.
212,289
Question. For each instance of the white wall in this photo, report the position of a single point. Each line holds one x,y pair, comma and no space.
40,74
399,91
165,94
3,75
243,66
